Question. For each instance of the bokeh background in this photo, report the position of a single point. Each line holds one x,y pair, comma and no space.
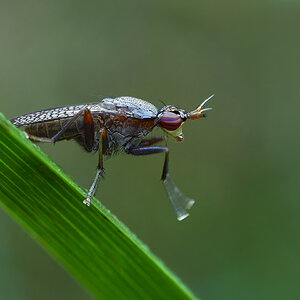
241,164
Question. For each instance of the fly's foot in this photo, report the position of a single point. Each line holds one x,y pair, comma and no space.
87,201
92,190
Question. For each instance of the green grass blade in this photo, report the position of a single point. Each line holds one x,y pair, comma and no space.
88,241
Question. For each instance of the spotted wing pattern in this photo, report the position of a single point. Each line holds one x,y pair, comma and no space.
133,107
47,115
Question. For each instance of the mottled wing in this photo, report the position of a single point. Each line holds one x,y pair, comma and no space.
47,115
130,106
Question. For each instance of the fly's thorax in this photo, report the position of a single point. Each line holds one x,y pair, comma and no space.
132,107
122,130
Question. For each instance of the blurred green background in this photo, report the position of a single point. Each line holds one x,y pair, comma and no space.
241,164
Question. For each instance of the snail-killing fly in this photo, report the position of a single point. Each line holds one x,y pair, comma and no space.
112,125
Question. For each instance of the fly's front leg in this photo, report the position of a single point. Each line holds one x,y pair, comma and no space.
152,140
145,149
179,201
153,150
100,170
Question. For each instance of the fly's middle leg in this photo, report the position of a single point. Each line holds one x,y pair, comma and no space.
100,170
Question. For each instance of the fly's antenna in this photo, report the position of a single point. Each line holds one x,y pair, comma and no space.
203,103
198,112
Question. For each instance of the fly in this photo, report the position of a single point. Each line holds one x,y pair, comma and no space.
112,125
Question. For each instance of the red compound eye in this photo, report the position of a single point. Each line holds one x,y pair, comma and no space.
170,121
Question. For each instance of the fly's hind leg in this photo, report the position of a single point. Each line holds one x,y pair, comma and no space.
88,124
88,130
34,138
179,201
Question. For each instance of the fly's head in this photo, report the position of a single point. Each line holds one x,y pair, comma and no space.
171,119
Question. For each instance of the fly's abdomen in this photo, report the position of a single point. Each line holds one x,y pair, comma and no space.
48,129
